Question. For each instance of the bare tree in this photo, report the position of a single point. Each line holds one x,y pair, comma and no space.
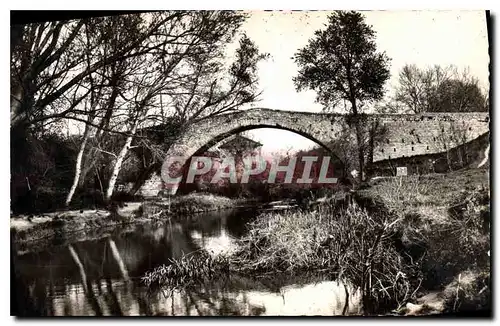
205,92
116,75
190,79
90,111
208,92
49,61
140,104
439,89
412,88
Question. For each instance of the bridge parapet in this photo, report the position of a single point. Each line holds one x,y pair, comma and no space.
405,134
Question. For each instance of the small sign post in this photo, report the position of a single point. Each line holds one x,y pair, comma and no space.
401,171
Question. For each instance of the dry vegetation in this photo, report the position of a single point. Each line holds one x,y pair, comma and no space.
436,190
446,221
190,270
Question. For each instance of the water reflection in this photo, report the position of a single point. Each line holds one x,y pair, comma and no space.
102,276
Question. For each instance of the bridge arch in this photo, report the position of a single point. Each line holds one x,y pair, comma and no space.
200,136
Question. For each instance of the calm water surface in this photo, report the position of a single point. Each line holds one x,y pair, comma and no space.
102,276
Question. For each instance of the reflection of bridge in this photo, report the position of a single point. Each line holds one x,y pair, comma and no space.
403,135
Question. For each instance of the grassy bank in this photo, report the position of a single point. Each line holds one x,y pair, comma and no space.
191,204
344,242
446,222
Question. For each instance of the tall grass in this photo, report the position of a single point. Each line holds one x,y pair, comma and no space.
400,194
190,270
345,242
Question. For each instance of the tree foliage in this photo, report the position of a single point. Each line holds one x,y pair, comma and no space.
341,63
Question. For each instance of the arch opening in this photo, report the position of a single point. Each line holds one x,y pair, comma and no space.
222,136
196,152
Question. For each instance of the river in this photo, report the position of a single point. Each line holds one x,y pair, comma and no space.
102,276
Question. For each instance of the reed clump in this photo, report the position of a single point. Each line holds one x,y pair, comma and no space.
344,241
189,270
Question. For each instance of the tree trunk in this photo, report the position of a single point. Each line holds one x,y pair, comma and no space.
78,165
371,147
15,106
104,122
359,139
360,144
119,161
361,156
486,157
448,160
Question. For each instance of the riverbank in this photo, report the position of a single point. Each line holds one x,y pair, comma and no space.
411,245
75,225
446,225
191,204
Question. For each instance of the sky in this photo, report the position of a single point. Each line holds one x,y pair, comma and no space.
408,37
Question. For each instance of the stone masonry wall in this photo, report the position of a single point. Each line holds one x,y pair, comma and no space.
406,135
423,134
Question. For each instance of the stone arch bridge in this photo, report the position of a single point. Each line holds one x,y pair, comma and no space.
405,135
